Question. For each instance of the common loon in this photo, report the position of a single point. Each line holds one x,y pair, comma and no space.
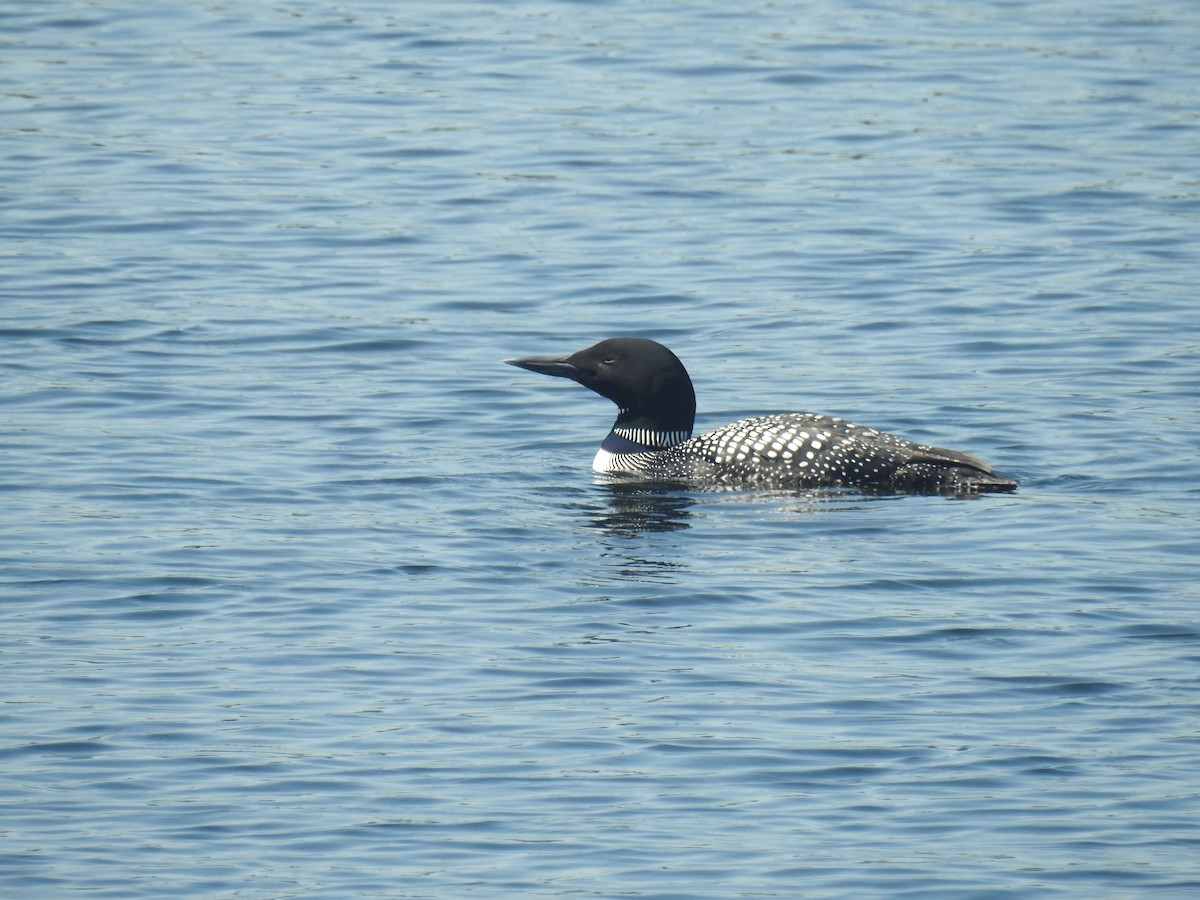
652,437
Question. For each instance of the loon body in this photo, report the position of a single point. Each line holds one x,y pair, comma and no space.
652,437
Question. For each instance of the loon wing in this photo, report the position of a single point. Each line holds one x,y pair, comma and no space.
950,457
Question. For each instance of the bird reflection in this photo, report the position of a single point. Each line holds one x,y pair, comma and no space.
627,509
623,512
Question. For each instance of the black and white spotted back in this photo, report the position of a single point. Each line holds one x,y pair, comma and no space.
799,451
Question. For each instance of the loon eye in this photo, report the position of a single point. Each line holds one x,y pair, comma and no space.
607,361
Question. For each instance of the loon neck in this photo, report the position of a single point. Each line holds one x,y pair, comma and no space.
661,424
641,440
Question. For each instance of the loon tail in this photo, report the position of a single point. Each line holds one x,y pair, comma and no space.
962,472
986,484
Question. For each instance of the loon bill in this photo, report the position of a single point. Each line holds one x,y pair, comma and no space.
652,436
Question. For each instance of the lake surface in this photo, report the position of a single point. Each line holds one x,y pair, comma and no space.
306,594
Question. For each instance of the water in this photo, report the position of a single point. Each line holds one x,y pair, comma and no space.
306,594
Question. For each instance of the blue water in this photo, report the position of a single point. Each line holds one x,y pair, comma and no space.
305,594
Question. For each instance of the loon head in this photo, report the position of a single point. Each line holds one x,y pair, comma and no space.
646,380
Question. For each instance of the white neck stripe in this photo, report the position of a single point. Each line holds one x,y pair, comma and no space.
648,437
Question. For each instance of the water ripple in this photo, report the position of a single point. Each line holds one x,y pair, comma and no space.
305,592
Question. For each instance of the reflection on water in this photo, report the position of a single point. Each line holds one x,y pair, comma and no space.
628,509
624,511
